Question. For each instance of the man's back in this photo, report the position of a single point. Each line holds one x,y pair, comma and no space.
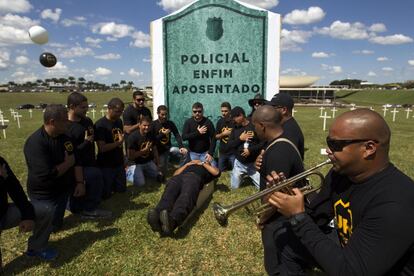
292,131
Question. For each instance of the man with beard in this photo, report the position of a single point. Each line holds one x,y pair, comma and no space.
82,134
223,131
370,200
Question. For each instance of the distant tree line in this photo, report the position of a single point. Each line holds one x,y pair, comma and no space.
356,84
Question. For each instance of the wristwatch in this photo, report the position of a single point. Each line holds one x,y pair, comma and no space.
297,219
202,163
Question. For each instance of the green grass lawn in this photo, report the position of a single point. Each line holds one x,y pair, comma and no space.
126,245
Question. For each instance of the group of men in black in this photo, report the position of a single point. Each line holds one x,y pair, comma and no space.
361,223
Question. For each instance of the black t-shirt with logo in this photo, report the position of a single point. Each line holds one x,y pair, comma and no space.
374,221
163,142
131,114
108,132
222,125
43,153
85,149
237,145
137,141
197,142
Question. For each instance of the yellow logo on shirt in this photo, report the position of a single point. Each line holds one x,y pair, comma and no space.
166,138
143,146
68,146
226,138
116,134
343,217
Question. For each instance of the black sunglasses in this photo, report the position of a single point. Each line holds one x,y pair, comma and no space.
140,100
197,111
338,145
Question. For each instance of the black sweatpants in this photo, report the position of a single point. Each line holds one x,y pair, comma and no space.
180,196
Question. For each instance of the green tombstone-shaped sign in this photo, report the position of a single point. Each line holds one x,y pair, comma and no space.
212,51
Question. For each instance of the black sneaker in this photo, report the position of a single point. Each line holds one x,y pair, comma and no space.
96,214
167,224
153,219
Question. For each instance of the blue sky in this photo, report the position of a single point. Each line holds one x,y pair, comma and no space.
108,41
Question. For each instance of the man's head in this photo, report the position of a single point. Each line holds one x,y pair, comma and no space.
238,115
139,99
358,142
267,122
77,104
257,101
225,109
197,111
115,109
144,124
55,118
283,103
162,112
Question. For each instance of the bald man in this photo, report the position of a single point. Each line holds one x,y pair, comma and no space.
280,155
370,200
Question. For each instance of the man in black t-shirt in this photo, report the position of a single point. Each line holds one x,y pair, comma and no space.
143,152
199,132
162,129
53,171
370,200
223,131
134,112
109,138
82,134
246,146
180,195
280,156
283,103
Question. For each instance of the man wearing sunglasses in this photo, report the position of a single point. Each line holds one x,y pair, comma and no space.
199,132
370,200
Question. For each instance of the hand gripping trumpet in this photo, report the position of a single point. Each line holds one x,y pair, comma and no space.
222,213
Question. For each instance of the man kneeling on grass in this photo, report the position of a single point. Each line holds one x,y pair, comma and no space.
180,195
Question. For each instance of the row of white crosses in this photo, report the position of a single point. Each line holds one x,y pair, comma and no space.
93,111
395,111
3,124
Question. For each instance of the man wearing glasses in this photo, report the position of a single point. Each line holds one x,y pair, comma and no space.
134,112
370,200
199,132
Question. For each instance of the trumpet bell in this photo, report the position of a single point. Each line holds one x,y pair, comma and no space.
220,214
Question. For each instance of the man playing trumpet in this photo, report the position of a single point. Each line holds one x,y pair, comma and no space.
370,200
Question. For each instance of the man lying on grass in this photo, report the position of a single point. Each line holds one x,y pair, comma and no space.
180,195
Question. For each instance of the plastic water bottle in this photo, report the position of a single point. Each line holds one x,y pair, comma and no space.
246,144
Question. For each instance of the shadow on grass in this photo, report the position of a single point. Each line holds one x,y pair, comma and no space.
69,248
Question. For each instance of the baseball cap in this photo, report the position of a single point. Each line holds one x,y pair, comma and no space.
282,100
236,111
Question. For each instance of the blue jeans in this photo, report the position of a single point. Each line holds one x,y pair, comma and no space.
200,156
239,169
114,181
226,161
94,186
43,223
142,170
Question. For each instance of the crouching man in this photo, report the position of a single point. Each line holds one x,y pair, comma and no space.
180,195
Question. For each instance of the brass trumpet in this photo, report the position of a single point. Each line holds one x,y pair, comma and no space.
222,213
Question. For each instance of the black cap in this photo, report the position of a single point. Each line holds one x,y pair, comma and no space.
281,100
236,111
257,98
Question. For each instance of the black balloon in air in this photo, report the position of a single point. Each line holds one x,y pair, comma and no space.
47,59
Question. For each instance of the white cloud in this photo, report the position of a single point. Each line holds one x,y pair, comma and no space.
312,15
76,51
141,40
22,77
56,45
173,5
378,28
391,39
14,29
113,29
76,21
363,52
93,42
332,69
411,62
320,55
133,73
344,30
72,60
291,39
16,6
387,69
293,71
4,59
101,71
382,59
50,14
372,74
58,70
122,73
109,56
22,60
